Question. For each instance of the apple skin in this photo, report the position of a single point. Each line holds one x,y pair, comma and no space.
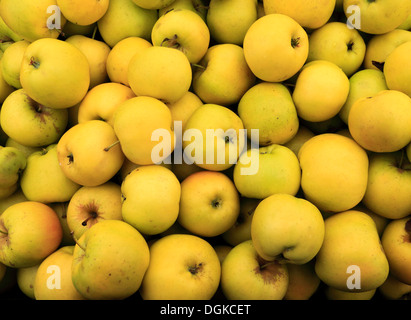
30,232
109,261
303,222
30,123
61,262
25,280
184,30
90,205
182,266
197,6
303,281
275,60
140,192
75,147
11,62
12,164
43,180
246,276
153,4
82,12
209,205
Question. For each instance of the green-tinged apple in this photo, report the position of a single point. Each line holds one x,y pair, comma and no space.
336,294
160,72
55,73
12,163
89,153
406,24
182,266
321,90
83,12
213,138
334,171
153,4
287,229
16,197
30,231
25,149
124,19
364,83
246,276
6,34
393,289
53,279
380,46
11,62
25,278
61,210
351,258
120,55
5,88
197,6
102,100
381,123
278,172
222,75
96,52
303,282
30,123
182,109
241,230
389,185
43,180
275,47
38,18
184,30
136,123
396,242
397,67
110,261
303,134
269,108
309,14
140,192
378,17
380,221
90,205
229,21
339,44
209,205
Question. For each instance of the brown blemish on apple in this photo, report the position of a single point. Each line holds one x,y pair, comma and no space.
270,271
195,269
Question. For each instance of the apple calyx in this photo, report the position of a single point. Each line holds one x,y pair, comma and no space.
268,270
196,268
216,203
71,158
34,63
171,42
295,42
350,45
111,145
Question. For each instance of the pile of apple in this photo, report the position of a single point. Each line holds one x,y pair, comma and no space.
189,149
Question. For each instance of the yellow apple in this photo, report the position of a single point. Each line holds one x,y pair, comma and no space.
5,88
287,228
222,75
396,69
136,122
101,101
36,16
364,83
184,30
25,149
229,21
381,123
210,203
124,19
25,280
337,43
55,73
269,108
120,55
182,266
275,47
11,63
336,294
12,163
153,4
30,232
140,192
90,205
393,289
61,210
334,171
89,153
96,52
213,138
396,244
83,12
30,123
309,14
321,90
278,172
182,109
16,197
160,72
303,281
110,261
303,134
246,276
351,258
53,279
43,180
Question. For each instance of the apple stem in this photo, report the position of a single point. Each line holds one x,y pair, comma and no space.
94,32
198,66
112,145
75,240
3,232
